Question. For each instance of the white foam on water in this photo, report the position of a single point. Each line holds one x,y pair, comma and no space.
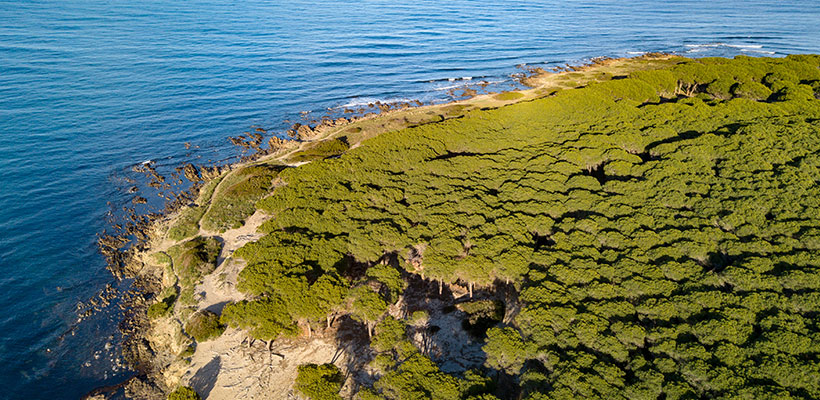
366,101
702,46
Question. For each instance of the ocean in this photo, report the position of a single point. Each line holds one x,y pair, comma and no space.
91,88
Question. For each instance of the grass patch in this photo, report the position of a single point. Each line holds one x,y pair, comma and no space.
506,96
187,224
161,259
207,190
235,201
320,150
454,110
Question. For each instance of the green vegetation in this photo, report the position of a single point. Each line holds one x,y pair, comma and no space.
233,201
265,319
184,393
319,382
319,150
188,352
161,259
206,192
509,96
204,325
191,260
194,258
506,350
187,224
163,307
661,231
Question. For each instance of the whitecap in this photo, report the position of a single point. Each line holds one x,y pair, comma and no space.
758,51
366,101
721,44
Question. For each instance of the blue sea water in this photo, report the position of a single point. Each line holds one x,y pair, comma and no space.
89,88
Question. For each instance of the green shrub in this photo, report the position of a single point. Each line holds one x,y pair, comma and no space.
319,382
505,350
419,318
266,319
194,259
382,363
721,88
482,314
184,393
663,81
204,325
162,308
188,351
752,90
483,309
389,332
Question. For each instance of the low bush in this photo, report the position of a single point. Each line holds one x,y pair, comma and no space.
184,393
162,308
204,325
319,382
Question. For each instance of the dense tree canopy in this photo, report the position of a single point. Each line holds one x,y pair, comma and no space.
662,230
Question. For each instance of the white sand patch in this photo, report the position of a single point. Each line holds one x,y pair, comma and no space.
229,369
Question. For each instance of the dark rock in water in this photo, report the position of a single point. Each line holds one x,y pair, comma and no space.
257,140
191,173
275,143
237,141
139,200
210,173
305,131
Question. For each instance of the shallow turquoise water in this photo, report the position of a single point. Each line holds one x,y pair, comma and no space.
90,88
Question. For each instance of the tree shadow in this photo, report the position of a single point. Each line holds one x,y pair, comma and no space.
354,343
446,336
205,379
217,307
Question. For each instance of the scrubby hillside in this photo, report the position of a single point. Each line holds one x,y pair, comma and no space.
654,236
